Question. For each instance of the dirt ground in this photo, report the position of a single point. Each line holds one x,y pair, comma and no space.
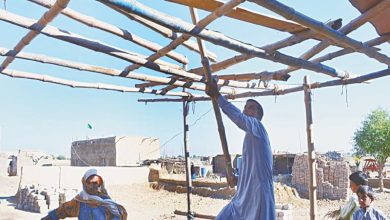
142,202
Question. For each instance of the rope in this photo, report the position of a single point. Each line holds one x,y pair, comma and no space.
346,76
275,91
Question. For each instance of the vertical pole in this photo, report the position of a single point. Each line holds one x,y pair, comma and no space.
221,129
190,214
311,153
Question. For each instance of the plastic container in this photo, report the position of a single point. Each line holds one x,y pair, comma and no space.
203,171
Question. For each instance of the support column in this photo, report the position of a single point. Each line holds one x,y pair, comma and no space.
310,150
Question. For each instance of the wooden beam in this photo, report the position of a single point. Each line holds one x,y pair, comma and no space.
317,85
246,15
42,22
125,34
311,156
76,84
217,111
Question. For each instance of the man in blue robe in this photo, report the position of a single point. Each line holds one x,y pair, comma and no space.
254,199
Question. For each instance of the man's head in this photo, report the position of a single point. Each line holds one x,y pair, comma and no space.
357,179
253,108
365,195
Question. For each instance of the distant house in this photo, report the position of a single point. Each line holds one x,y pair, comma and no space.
114,151
283,163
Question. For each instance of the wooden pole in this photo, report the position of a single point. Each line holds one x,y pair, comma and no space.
76,84
217,110
186,105
217,38
359,79
42,22
125,34
310,151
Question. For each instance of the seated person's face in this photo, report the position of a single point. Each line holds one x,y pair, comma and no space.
364,200
92,185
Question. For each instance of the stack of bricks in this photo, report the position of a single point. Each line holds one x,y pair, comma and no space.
31,199
284,212
41,200
331,176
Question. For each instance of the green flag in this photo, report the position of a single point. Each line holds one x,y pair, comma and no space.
89,126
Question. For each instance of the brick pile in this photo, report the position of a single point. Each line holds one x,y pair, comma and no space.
332,178
41,200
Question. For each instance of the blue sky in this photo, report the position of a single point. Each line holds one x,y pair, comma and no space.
47,117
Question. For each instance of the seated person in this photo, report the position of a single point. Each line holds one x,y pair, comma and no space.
92,202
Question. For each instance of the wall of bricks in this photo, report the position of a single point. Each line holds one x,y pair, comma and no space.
332,178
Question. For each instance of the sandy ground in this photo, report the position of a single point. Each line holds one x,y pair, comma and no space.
142,202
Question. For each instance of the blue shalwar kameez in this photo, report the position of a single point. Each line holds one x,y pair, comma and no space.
254,199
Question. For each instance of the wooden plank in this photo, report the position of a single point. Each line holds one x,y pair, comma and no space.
245,15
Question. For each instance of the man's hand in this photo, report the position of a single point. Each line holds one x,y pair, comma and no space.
212,88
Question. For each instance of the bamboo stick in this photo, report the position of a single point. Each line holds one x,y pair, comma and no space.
317,85
186,106
370,43
113,72
75,84
218,38
125,34
166,32
42,22
217,111
334,36
245,15
225,8
311,156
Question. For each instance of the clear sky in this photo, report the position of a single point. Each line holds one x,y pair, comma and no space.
40,116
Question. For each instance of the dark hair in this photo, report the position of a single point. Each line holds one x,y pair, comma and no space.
364,189
260,110
359,178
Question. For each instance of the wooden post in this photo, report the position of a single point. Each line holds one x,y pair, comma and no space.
310,151
187,159
217,111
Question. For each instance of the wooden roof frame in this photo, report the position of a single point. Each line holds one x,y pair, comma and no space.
300,26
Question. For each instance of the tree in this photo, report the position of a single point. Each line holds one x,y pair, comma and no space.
61,157
373,138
